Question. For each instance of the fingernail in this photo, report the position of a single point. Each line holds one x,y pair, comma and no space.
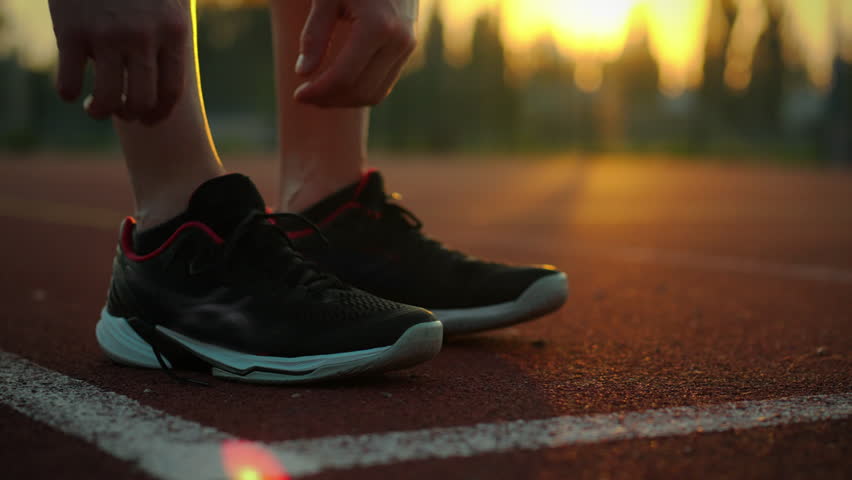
87,102
300,64
300,89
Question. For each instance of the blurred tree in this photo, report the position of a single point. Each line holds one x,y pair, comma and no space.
765,94
491,103
713,113
418,113
550,116
838,130
634,83
440,107
436,93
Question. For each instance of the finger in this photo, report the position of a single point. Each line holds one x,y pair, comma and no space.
407,46
141,89
72,69
109,85
369,84
345,69
389,82
171,78
316,35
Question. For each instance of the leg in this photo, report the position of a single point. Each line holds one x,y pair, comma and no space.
322,150
216,271
168,161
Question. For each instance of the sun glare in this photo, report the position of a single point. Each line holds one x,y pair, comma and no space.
808,21
598,28
591,32
677,32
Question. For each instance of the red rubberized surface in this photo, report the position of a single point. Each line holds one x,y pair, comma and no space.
636,333
32,450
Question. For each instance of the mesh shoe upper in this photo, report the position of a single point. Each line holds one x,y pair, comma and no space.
380,247
229,276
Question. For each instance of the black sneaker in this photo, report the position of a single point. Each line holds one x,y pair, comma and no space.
226,291
378,246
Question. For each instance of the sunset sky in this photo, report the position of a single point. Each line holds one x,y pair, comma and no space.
592,32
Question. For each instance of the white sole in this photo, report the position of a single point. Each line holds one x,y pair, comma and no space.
418,344
542,297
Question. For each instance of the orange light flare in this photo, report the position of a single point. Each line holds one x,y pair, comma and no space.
246,460
591,33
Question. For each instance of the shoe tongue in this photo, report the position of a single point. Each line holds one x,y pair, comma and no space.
223,202
368,191
371,188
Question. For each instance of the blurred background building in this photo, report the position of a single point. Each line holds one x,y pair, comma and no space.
739,78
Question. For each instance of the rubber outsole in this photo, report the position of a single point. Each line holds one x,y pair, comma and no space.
418,344
543,296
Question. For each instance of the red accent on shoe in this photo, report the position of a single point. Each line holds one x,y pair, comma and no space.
325,221
365,177
127,238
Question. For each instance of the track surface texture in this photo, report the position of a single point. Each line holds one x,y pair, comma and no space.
691,286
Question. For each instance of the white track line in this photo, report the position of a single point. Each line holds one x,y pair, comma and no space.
165,446
171,448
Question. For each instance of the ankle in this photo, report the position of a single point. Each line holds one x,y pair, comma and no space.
152,216
157,206
299,194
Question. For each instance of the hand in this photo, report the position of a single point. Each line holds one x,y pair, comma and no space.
139,52
366,69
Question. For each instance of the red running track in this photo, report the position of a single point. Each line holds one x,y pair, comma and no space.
691,285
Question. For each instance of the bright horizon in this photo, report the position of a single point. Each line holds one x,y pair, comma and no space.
592,33
596,32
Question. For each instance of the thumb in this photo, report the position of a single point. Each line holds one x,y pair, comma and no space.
316,35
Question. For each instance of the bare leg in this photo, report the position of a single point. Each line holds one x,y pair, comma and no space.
168,161
322,150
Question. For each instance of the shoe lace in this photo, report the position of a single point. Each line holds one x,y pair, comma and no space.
411,227
174,376
281,260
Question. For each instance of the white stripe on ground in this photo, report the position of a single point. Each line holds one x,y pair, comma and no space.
440,443
171,448
165,446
